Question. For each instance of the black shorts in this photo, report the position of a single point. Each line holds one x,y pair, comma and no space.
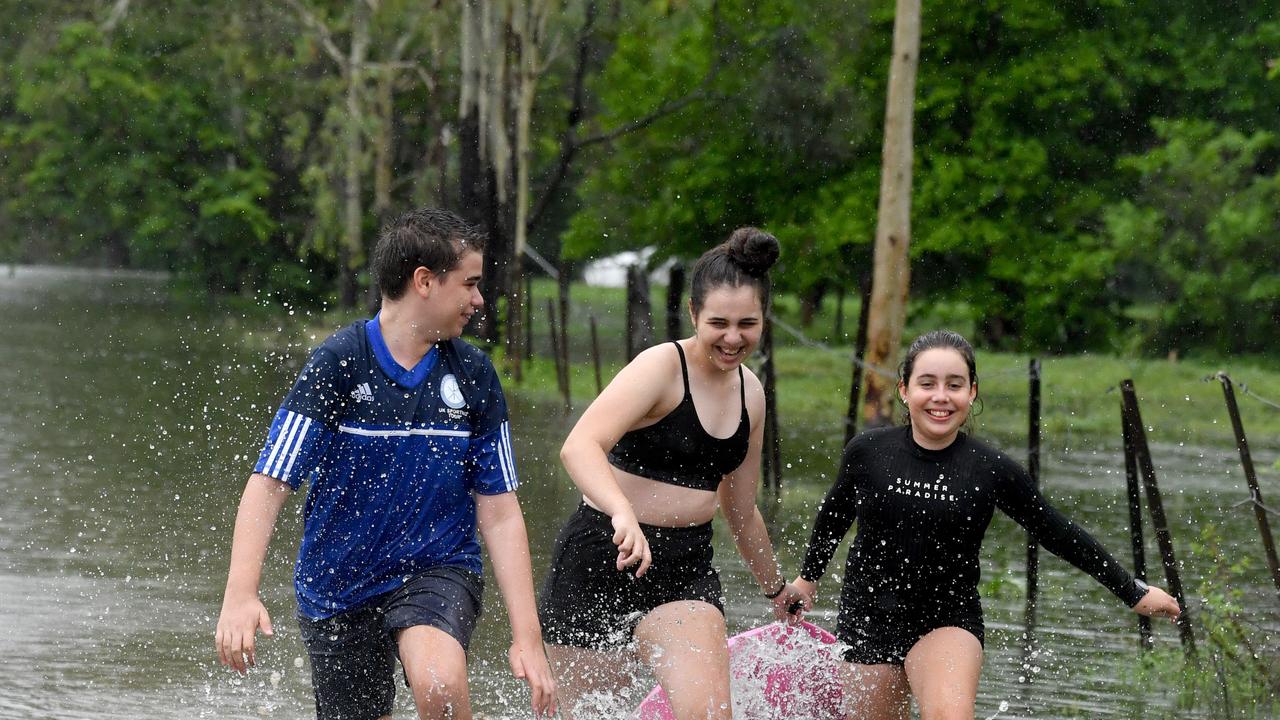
882,630
586,602
353,654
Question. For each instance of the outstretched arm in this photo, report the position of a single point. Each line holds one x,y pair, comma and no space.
501,525
242,610
1021,500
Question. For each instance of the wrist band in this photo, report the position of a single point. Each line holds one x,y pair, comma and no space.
777,592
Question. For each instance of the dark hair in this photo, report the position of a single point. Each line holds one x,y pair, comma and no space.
938,339
743,259
426,237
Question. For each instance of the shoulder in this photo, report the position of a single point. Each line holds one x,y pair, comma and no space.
347,341
988,456
662,356
871,443
880,437
341,351
468,359
654,367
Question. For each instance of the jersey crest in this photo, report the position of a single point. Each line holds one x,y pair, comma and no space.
451,393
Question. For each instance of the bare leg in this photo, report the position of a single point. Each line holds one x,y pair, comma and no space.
580,672
685,644
436,667
876,692
943,669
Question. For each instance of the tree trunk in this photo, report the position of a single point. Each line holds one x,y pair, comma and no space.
475,174
384,153
892,271
352,245
527,22
810,301
639,316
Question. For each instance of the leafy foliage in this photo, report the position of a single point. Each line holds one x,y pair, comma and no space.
1091,174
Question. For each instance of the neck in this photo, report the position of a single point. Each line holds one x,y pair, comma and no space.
700,357
407,337
932,444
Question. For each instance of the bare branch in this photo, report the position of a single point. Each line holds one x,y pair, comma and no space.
570,144
322,30
118,11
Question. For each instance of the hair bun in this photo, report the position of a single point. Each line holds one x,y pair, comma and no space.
753,250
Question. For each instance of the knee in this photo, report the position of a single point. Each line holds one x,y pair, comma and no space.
438,687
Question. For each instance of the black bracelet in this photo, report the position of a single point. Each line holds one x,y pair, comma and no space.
777,592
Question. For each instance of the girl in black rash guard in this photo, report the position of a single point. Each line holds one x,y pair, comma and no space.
676,434
923,495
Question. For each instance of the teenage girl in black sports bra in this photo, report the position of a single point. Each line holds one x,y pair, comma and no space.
922,496
676,434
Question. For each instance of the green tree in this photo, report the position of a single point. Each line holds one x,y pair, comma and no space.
1198,240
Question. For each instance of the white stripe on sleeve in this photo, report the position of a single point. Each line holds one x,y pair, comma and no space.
282,440
297,448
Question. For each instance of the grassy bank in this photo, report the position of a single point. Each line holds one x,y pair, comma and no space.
1080,400
1079,395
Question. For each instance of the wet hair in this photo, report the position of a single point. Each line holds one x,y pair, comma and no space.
938,339
426,237
743,259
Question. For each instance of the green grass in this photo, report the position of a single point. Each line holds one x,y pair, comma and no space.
1080,398
1080,401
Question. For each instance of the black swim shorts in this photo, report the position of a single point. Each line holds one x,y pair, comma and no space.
353,654
587,602
883,629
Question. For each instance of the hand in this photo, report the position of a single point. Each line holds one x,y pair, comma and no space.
1158,603
529,663
810,590
790,604
632,545
237,631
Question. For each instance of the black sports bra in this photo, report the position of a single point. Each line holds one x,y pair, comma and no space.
678,450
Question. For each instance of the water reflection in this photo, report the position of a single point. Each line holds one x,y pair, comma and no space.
130,425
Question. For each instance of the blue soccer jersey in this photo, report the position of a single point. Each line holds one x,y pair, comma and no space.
393,456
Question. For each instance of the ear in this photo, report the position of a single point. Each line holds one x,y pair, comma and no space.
973,392
693,319
422,281
902,392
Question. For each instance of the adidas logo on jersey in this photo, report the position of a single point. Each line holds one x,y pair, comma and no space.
362,393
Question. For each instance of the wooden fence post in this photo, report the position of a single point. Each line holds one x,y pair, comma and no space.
1251,476
1155,506
639,316
859,352
595,353
1134,492
1033,547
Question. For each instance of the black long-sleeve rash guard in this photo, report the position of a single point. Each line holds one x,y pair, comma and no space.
922,514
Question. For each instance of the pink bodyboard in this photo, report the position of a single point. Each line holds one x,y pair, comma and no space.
776,671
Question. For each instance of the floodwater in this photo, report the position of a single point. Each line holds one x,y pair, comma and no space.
130,424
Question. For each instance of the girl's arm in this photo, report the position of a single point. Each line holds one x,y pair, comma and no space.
835,516
629,398
1018,497
737,495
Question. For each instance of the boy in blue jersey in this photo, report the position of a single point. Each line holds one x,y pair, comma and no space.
402,430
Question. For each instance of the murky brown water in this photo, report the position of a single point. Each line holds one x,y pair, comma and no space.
130,424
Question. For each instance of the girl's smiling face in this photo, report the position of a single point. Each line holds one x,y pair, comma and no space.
729,325
938,396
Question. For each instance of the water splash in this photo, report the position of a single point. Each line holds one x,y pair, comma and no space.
776,673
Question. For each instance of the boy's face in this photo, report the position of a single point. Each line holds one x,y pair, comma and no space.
456,296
